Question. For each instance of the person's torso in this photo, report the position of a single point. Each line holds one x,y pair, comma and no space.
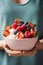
10,11
27,12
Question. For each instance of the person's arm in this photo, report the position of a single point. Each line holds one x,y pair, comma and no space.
9,51
1,44
39,46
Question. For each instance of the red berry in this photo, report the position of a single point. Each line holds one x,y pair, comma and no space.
23,26
16,21
27,34
20,35
8,28
19,28
31,25
6,33
14,25
32,32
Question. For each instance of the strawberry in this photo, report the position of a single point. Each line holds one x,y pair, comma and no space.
20,35
32,26
32,32
19,28
27,34
16,21
23,27
14,25
8,27
6,33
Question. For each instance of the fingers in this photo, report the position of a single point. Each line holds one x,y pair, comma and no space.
18,53
11,52
41,41
29,53
15,55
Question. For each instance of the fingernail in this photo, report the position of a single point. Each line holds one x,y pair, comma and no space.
9,54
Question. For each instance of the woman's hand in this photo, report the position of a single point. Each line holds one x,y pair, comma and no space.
11,52
18,53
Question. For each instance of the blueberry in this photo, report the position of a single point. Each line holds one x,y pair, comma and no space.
15,32
28,28
26,23
20,23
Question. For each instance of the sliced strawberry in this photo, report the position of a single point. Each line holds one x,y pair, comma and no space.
14,25
19,28
32,32
20,35
8,27
27,34
31,25
6,33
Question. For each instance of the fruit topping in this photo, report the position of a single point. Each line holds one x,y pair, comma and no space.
8,27
32,32
23,26
27,34
17,20
14,26
6,33
15,32
20,35
19,28
20,23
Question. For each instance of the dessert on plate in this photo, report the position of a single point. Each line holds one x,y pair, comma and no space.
21,34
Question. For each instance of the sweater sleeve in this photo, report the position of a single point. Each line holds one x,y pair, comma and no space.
2,18
2,24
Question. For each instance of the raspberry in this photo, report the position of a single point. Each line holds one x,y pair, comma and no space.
31,25
14,26
16,21
23,26
19,28
27,34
